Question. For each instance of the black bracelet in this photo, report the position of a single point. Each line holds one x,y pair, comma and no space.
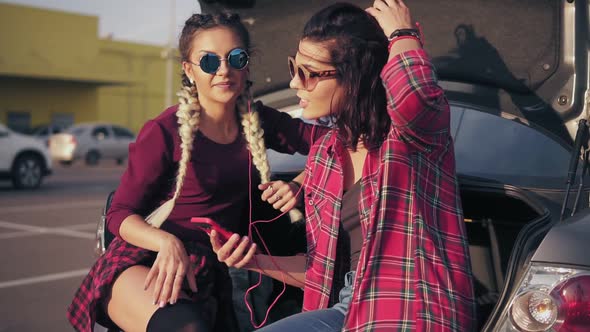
405,32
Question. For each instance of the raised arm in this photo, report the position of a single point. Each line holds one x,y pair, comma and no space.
415,102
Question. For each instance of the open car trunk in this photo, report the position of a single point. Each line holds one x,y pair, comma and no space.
517,58
495,217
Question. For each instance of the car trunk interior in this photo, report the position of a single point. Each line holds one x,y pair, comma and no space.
493,220
510,67
494,216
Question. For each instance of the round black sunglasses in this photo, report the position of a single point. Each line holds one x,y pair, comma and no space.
210,62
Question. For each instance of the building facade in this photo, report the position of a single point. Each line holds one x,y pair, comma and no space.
54,69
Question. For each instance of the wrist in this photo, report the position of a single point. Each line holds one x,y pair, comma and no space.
397,39
403,32
252,265
406,33
296,184
165,239
297,190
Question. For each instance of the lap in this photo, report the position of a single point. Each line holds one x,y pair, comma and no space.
310,321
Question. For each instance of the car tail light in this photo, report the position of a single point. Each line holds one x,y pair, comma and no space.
73,140
550,299
573,297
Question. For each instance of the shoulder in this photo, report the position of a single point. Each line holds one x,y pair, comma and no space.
168,119
325,144
163,128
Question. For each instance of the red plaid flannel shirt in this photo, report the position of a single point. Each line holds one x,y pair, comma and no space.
414,272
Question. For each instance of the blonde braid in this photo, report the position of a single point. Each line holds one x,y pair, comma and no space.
254,136
188,115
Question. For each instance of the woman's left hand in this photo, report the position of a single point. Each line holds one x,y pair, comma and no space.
282,195
391,15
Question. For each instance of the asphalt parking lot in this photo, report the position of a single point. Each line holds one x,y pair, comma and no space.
47,241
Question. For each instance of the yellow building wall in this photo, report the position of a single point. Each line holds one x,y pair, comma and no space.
53,61
46,98
131,105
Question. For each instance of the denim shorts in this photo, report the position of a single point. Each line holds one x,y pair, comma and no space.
325,320
345,294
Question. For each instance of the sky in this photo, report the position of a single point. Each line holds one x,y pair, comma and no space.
141,21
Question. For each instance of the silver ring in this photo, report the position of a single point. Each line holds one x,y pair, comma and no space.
278,198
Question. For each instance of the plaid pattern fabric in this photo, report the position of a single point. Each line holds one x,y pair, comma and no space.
214,285
414,272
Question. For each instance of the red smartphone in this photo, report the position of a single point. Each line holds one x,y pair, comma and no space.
207,224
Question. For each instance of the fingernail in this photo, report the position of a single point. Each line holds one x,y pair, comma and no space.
244,239
162,304
155,302
172,302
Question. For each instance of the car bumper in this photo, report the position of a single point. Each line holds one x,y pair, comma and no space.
62,155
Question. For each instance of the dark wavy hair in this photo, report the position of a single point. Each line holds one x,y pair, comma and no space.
199,22
358,50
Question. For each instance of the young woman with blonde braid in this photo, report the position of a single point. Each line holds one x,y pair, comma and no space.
160,274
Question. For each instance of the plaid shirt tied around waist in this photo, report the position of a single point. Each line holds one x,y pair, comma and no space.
414,272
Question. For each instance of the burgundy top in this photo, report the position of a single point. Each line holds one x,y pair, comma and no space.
216,183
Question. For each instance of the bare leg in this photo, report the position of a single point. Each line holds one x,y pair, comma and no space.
130,306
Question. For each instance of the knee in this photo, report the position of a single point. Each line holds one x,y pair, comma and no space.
184,316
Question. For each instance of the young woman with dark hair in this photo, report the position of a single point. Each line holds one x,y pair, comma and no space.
160,273
387,247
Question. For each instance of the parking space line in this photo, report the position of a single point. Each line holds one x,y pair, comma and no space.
46,230
43,278
90,226
13,235
54,206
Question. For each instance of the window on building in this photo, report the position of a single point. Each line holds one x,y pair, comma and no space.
19,121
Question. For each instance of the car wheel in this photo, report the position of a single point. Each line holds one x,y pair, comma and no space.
120,161
92,158
27,172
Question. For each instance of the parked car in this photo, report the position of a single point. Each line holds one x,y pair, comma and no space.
43,132
519,101
517,94
91,142
23,159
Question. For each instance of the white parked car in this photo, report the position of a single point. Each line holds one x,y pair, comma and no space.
91,142
43,132
23,159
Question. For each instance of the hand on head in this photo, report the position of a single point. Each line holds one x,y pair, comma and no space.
235,252
282,195
171,266
391,15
